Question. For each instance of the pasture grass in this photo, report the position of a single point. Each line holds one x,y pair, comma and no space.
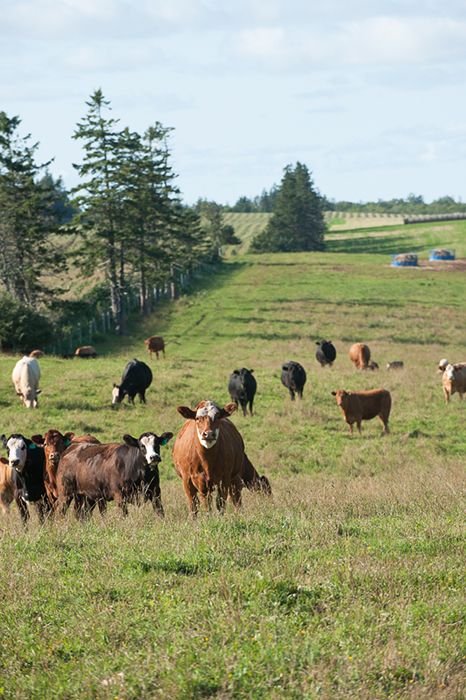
349,583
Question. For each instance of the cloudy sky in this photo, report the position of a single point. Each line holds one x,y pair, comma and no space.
370,94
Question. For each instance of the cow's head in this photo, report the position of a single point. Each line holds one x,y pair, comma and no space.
117,395
54,444
17,447
149,444
30,398
442,365
372,365
341,397
449,372
208,417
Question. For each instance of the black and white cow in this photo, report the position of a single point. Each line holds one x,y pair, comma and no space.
325,353
28,462
136,378
113,472
294,378
242,387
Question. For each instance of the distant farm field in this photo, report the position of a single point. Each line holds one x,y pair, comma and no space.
349,583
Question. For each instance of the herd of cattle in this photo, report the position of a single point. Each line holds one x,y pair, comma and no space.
53,470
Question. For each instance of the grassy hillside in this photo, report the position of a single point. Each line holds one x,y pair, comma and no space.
348,584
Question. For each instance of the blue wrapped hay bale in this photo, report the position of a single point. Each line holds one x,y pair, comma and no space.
404,260
442,254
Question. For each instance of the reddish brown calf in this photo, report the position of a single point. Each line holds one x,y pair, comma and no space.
364,405
155,344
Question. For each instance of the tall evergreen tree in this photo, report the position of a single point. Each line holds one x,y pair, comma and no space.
99,198
297,222
28,218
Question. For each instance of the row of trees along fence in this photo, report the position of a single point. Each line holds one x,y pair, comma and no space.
125,217
87,331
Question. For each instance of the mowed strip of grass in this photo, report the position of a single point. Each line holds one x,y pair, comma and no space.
347,584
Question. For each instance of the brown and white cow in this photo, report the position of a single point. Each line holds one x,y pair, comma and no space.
360,355
7,485
112,472
155,344
54,444
454,381
209,453
364,405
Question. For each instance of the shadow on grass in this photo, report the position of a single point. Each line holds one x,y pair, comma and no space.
368,244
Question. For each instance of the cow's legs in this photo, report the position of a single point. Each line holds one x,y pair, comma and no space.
446,394
142,396
250,406
23,509
359,426
291,393
222,494
244,406
385,424
235,492
191,494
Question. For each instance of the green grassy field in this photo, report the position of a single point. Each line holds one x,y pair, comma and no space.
348,584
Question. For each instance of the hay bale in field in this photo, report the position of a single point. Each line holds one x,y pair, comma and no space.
404,260
442,254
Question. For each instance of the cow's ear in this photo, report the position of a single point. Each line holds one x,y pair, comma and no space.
252,371
284,367
235,371
115,386
317,342
165,438
186,412
4,461
68,438
130,441
334,393
227,410
38,439
4,440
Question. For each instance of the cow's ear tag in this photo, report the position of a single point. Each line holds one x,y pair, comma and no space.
32,447
67,443
163,441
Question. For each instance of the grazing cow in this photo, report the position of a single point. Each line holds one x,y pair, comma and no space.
294,378
242,388
85,351
54,444
364,405
37,354
136,378
360,355
454,381
28,462
209,453
155,344
25,377
396,364
113,472
325,353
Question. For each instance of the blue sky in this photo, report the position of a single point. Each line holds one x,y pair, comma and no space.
369,94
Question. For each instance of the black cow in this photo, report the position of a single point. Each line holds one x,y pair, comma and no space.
242,386
119,472
325,353
136,378
294,378
28,462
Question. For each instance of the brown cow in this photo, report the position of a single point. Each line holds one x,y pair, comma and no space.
7,485
454,381
209,453
112,472
364,405
85,351
54,444
155,344
360,355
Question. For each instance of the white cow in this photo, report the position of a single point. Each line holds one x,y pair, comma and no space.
25,376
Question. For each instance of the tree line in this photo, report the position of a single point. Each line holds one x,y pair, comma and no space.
124,223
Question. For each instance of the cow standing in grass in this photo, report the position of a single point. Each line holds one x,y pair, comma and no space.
135,380
360,355
155,344
364,405
209,454
454,381
28,462
293,378
325,353
25,377
242,387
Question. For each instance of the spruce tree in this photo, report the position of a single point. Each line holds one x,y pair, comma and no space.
28,218
297,223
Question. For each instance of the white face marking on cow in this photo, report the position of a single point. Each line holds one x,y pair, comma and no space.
450,372
443,363
115,391
212,411
210,443
209,409
150,446
17,453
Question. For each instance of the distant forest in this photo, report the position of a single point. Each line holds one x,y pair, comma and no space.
412,204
